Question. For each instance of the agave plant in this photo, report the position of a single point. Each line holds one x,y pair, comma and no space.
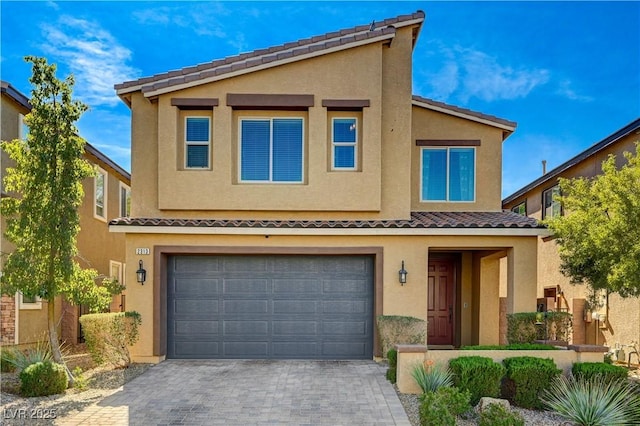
22,359
430,377
594,401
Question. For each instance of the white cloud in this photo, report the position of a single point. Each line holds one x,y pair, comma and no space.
565,90
94,56
466,73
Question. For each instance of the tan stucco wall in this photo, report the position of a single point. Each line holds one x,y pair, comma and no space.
435,125
410,299
623,315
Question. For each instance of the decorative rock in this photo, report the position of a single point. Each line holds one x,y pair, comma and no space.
485,401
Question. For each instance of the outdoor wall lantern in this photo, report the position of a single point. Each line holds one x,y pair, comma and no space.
141,273
402,274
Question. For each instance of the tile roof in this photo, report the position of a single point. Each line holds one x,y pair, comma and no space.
418,220
463,112
272,56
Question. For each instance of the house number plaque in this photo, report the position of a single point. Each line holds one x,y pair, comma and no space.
142,251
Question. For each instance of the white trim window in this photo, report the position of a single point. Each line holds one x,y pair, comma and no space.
125,200
271,150
197,137
23,129
448,174
344,143
116,271
29,302
551,205
100,195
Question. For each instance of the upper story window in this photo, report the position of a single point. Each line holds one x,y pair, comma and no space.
551,206
23,129
125,200
344,141
100,195
197,142
271,150
521,208
448,174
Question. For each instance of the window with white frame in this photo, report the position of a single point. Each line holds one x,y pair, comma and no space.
551,205
448,174
197,134
116,271
125,200
344,141
26,302
271,150
23,129
100,195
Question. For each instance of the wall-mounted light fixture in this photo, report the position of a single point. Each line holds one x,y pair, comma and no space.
402,274
141,273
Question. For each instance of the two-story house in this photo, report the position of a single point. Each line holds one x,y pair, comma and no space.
617,321
107,196
285,197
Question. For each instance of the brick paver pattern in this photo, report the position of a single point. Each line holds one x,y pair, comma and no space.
229,392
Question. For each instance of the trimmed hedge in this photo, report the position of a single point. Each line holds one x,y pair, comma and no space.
527,377
522,328
392,357
396,329
441,407
511,347
606,372
43,378
108,336
480,376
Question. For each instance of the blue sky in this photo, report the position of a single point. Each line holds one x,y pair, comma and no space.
567,72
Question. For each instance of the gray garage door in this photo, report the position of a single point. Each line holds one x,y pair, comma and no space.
313,307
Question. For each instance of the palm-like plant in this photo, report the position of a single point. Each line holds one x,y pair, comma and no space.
430,377
594,401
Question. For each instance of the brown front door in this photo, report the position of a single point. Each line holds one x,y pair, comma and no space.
440,312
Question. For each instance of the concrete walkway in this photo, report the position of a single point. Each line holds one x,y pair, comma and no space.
254,392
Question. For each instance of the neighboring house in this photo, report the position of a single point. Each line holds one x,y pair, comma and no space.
107,196
278,194
618,321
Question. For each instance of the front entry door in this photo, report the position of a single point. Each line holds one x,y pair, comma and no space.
440,314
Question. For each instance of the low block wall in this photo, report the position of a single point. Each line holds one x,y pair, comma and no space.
409,355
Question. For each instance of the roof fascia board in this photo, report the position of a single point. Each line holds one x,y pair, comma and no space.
463,115
500,232
169,89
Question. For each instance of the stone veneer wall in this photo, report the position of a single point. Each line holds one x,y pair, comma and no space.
7,320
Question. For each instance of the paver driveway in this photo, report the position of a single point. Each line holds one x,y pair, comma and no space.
229,392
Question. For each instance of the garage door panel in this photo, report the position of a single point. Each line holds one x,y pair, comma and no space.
345,286
295,328
309,287
295,307
198,264
247,328
276,306
242,307
245,349
195,308
195,327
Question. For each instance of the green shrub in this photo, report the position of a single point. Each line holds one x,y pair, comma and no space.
511,347
593,401
587,370
79,381
392,357
430,377
395,329
7,358
481,376
108,336
441,407
499,415
522,328
392,375
527,377
43,378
